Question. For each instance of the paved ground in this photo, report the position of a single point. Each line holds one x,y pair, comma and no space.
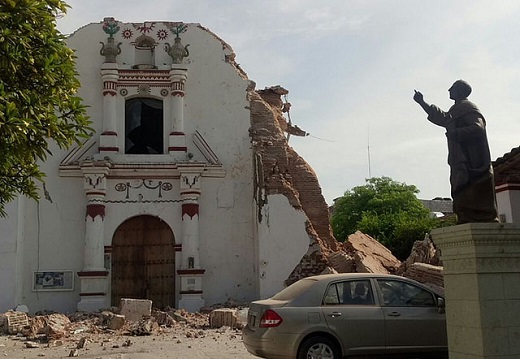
211,344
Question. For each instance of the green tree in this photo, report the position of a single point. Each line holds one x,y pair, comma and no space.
38,94
385,209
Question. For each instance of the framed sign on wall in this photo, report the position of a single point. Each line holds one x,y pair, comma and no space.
53,280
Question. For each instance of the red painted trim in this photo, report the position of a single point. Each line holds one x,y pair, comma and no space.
178,93
507,187
179,148
191,209
135,72
99,193
108,149
177,247
92,294
190,192
177,133
94,210
190,292
100,273
109,92
190,271
109,133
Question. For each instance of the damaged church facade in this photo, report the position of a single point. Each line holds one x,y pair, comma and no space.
187,194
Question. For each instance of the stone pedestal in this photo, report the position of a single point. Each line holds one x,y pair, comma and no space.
482,283
191,289
93,290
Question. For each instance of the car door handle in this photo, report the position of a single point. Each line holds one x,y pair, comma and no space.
394,314
335,314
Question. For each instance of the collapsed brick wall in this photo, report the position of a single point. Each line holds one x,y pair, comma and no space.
280,170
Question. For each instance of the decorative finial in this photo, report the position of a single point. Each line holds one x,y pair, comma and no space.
110,26
177,51
110,50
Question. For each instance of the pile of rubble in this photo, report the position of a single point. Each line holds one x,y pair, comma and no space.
115,326
363,254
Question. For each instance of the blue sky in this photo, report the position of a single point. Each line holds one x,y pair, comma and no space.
351,67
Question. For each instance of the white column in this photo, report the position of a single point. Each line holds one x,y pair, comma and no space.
94,234
190,270
190,229
108,138
177,141
93,277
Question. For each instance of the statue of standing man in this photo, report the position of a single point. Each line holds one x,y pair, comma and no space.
471,172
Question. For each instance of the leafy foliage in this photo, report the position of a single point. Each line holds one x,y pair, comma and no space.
385,209
38,94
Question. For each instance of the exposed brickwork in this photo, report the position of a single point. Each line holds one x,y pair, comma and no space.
13,322
313,262
280,170
427,274
369,255
424,264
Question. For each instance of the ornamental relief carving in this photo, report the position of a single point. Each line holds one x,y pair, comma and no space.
191,181
507,238
482,265
94,181
158,186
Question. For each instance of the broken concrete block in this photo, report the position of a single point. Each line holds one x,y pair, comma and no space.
147,326
36,326
14,322
341,262
223,317
117,321
163,318
426,274
422,252
82,343
57,325
31,345
135,309
178,316
369,255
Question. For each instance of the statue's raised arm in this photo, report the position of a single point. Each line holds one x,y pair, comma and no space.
418,97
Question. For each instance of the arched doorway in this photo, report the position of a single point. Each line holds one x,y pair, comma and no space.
143,261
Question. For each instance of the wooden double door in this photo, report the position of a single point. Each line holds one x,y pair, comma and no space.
143,262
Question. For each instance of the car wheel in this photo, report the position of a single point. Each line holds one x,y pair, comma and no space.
319,348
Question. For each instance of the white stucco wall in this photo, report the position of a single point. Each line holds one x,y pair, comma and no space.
282,243
508,202
53,237
243,260
9,253
215,104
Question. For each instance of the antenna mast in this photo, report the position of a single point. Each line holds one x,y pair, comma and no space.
368,153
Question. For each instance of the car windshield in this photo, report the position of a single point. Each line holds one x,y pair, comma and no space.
294,289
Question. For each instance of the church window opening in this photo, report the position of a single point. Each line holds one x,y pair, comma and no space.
144,126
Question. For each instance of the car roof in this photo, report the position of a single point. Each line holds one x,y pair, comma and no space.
340,276
326,278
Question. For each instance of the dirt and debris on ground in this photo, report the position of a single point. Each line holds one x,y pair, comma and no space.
171,333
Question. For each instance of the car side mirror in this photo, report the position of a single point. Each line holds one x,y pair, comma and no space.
441,305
